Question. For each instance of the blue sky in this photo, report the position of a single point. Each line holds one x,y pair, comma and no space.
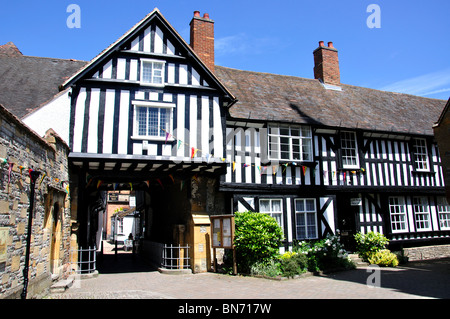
409,53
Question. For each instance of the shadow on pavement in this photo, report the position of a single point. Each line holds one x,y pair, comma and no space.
429,278
122,263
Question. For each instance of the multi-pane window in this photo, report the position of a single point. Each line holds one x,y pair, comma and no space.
293,143
421,213
152,72
420,154
443,209
305,218
273,207
152,121
397,210
349,150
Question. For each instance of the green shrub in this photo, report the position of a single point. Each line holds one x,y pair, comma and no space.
325,254
257,239
270,269
293,264
370,243
383,258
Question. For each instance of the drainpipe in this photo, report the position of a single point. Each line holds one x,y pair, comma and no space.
33,177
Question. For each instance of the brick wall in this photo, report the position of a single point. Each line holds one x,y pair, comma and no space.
326,64
202,38
49,254
442,133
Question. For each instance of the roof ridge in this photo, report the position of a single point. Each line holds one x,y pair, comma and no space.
341,84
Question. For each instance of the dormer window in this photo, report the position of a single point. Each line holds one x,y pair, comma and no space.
349,150
420,155
152,72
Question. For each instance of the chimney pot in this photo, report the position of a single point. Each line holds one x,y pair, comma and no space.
202,38
326,64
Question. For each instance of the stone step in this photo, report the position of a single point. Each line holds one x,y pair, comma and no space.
62,285
358,261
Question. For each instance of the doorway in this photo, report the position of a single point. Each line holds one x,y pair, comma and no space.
348,208
54,219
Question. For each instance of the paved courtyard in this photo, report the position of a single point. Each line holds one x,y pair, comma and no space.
125,277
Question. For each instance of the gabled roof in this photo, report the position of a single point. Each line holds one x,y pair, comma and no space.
444,111
26,82
280,98
137,28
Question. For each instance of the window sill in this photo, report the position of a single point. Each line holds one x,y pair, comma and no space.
152,84
290,162
414,171
152,138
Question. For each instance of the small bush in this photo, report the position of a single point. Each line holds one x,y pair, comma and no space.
370,243
269,269
324,254
293,264
257,239
383,258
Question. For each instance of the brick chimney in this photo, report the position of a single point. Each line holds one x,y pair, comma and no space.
326,64
202,38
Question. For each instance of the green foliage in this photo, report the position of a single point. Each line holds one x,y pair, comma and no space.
292,264
287,265
257,238
384,258
324,254
270,269
370,243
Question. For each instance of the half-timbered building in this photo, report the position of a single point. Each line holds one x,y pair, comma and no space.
155,115
147,114
324,157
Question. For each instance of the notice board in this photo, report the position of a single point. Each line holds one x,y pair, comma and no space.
222,231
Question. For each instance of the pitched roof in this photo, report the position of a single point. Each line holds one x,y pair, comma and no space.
138,27
273,97
443,113
26,82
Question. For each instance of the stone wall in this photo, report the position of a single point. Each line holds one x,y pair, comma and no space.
427,252
22,149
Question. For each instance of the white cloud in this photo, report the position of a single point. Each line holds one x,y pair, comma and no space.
242,44
427,84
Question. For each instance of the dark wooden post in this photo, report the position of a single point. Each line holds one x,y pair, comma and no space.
33,177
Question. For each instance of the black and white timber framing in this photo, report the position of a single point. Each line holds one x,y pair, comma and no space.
347,200
383,192
106,93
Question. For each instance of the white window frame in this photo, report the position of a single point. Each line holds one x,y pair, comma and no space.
152,83
421,158
422,215
304,141
345,147
273,213
399,214
161,131
304,216
443,209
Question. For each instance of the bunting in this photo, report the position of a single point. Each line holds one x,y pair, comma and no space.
44,177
